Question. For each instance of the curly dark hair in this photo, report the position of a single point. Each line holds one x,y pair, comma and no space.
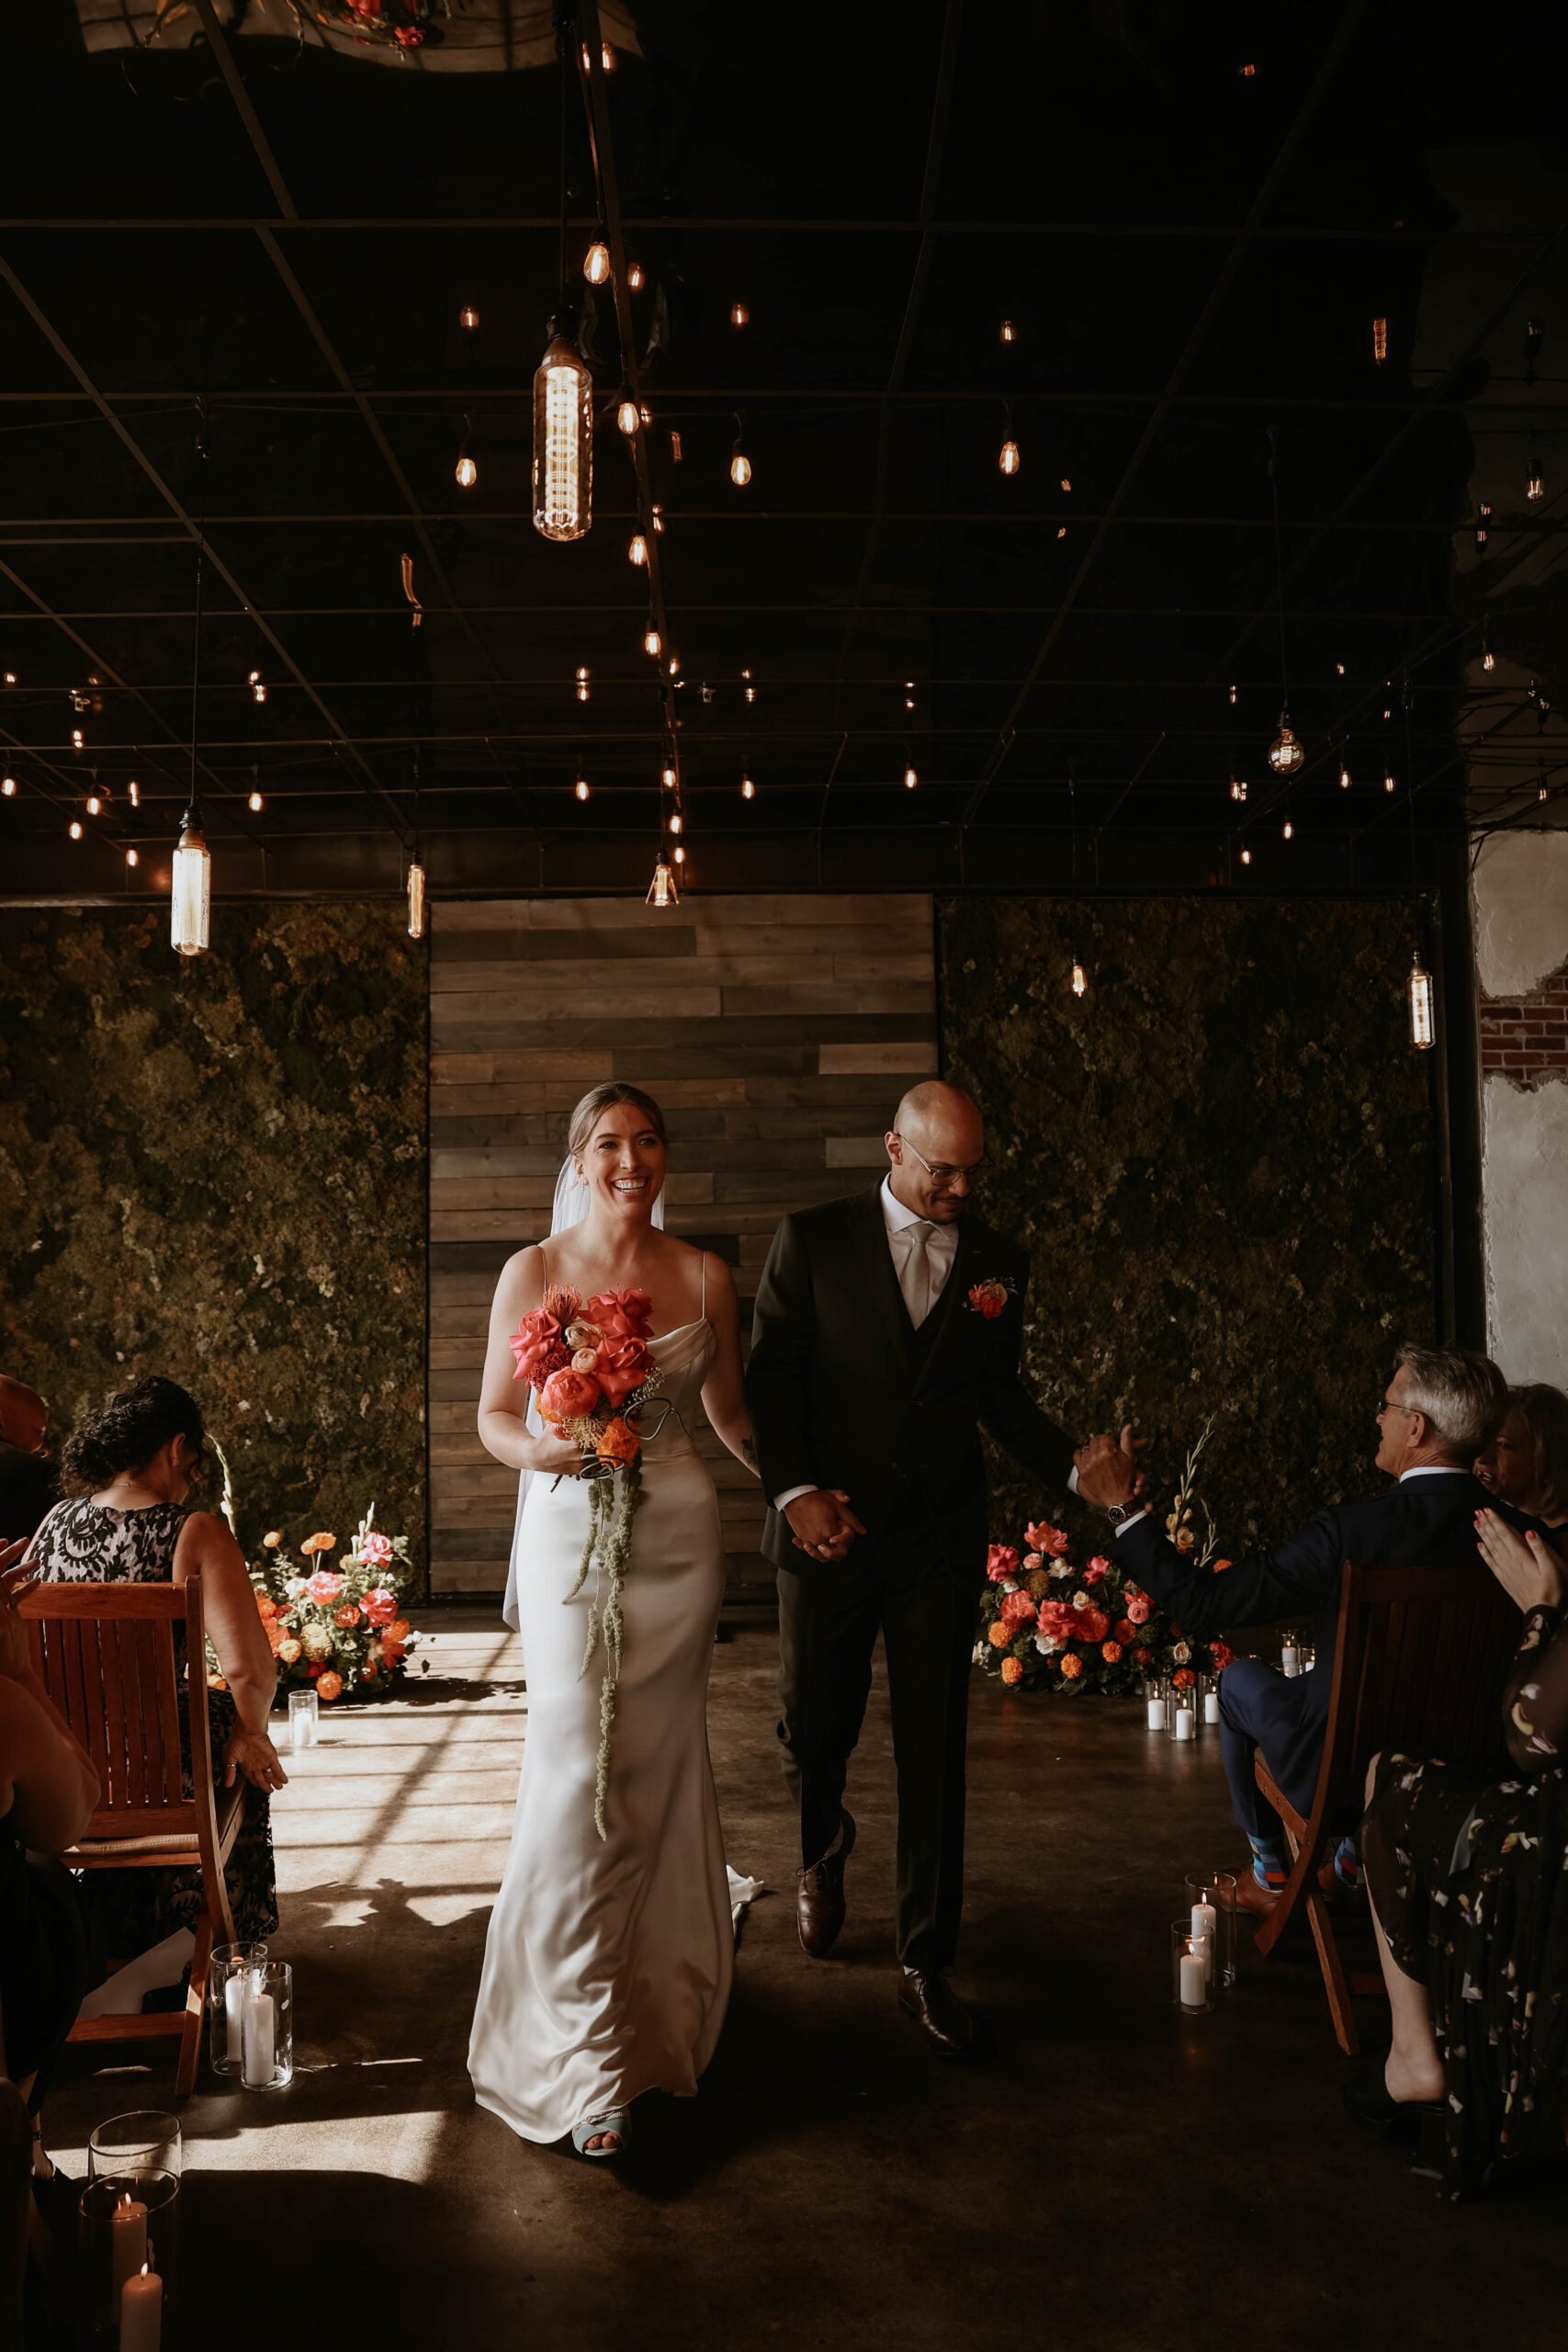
127,1431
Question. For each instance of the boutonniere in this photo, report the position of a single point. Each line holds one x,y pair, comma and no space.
990,1297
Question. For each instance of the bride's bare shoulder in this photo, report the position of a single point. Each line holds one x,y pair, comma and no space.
521,1282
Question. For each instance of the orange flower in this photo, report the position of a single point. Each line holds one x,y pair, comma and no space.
618,1442
289,1650
1111,1653
398,1631
347,1616
216,1682
274,1636
273,1540
999,1635
391,1653
1220,1565
367,1674
329,1686
266,1608
323,1543
1012,1669
1184,1677
1072,1666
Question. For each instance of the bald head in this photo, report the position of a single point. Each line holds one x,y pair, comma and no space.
939,1127
24,1416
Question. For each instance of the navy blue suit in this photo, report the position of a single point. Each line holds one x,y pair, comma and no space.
1426,1522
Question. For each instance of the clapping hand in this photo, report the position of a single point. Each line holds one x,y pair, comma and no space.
15,1652
1525,1566
1108,1469
822,1523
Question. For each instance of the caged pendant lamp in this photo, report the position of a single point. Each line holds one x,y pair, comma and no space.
563,390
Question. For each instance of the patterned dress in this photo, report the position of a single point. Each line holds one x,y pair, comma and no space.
1469,1873
129,1911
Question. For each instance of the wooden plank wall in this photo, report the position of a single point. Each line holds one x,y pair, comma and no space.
776,1032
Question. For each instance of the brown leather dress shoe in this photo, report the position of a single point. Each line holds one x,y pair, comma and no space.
1332,1887
820,1897
929,2003
1250,1897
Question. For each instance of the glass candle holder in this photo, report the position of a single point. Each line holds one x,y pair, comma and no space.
145,2140
1208,1701
129,2259
1155,1699
1211,1898
304,1720
1306,1657
232,1963
1191,1971
1182,1713
267,2040
1290,1655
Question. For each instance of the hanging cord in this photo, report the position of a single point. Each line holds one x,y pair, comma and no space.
1410,782
200,552
564,36
1279,567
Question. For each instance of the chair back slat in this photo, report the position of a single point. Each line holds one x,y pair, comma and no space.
106,1656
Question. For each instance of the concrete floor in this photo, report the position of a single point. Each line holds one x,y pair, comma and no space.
1110,2177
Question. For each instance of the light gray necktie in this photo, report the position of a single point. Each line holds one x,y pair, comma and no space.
917,1282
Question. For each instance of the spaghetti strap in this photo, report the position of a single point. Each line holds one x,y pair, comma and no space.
705,1282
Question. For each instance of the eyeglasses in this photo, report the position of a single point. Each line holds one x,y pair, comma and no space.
942,1173
1393,1405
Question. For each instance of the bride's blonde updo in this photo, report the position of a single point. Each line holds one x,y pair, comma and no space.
603,1098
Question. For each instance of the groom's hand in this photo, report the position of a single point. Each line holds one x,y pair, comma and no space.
1108,1469
822,1523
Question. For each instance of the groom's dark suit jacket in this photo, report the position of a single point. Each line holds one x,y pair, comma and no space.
844,1392
1424,1522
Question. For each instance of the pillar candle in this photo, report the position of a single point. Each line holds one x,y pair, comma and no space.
1206,1919
127,2243
1289,1658
1184,1722
1156,1715
141,2312
259,2033
1195,1980
235,2017
1210,1706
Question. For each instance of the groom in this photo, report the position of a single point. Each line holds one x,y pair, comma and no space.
887,1330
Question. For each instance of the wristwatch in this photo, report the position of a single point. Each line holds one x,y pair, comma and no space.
1117,1513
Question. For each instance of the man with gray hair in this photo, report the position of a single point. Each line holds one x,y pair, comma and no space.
1441,1408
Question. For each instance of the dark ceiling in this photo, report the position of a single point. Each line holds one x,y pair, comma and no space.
251,246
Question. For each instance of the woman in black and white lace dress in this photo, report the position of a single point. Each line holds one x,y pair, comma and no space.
126,1471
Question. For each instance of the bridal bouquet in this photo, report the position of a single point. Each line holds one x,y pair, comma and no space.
339,1630
594,1377
1045,1622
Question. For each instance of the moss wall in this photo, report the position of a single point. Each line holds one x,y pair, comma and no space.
216,1168
1221,1160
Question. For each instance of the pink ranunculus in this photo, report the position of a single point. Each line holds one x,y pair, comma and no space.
376,1551
1094,1571
568,1394
381,1606
1138,1610
622,1368
1032,1560
1001,1561
1055,1621
1046,1538
1016,1611
324,1588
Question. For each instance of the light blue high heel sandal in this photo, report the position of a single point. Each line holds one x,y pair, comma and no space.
592,2126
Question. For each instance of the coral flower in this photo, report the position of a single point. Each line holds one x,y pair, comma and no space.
216,1682
376,1550
1012,1669
1220,1566
329,1687
1138,1610
369,1672
381,1606
1093,1624
1032,1560
347,1616
398,1631
324,1588
1223,1655
1099,1562
618,1442
1017,1609
1071,1666
324,1544
273,1635
1142,1657
1046,1538
391,1654
988,1299
1094,1572
1125,1631
288,1651
1111,1653
273,1540
567,1395
265,1606
999,1635
1001,1561
1184,1677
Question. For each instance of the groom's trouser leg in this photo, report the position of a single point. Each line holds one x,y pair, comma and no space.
828,1622
1261,1709
928,1627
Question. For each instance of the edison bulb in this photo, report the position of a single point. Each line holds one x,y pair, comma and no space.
75,739
677,822
659,518
739,316
1009,461
8,787
1388,784
1238,787
1246,857
1285,753
563,439
740,469
668,779
1423,1028
638,551
662,890
626,416
1488,659
190,893
1344,777
1535,486
135,790
467,473
254,804
634,277
748,789
416,898
469,317
679,856
1009,332
596,264
580,787
95,806
1379,341
131,858
606,57
1288,830
652,643
1080,980
910,779
75,831
582,688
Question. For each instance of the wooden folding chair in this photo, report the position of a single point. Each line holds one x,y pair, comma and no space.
107,1657
1419,1665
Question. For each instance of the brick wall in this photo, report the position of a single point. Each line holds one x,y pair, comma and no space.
777,1033
1525,1038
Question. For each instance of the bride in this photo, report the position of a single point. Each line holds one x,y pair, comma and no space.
607,1965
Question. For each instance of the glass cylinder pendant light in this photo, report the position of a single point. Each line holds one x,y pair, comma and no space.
1379,341
416,897
190,898
1423,1025
563,436
652,643
1535,481
1080,981
661,890
1285,753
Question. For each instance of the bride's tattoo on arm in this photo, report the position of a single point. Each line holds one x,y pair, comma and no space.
748,1455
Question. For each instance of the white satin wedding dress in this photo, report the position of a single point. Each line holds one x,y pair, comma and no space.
607,1965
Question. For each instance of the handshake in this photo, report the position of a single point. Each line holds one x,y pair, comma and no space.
824,1525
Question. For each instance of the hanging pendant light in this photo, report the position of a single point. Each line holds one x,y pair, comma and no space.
1423,1022
1009,460
662,890
1238,787
1535,482
584,688
468,471
626,417
1344,777
416,897
739,315
1080,980
254,804
739,463
596,263
131,858
638,551
910,779
580,787
1287,831
563,435
1246,857
652,643
8,787
1379,341
634,277
1285,753
190,897
748,789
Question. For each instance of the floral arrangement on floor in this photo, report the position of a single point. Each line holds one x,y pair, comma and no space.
1047,1625
339,1631
593,1378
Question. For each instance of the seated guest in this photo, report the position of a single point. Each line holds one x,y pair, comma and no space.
127,1471
1442,1407
1468,1873
47,1793
1527,1463
27,1474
